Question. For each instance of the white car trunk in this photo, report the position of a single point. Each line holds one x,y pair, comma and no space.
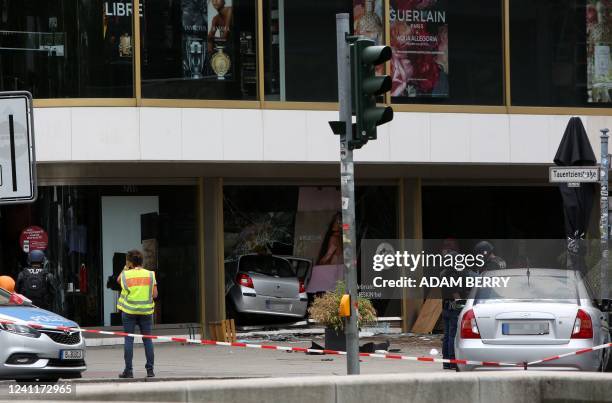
525,322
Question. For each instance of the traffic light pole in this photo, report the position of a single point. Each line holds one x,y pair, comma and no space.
347,180
605,207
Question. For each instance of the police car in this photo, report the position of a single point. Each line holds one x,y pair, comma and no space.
28,354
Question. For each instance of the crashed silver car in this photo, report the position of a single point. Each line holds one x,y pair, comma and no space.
267,285
542,313
29,354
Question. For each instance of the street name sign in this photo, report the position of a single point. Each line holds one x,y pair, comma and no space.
573,174
17,157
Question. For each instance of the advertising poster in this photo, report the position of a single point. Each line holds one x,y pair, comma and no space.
117,29
207,39
33,238
318,236
599,40
368,21
419,39
194,24
316,209
220,37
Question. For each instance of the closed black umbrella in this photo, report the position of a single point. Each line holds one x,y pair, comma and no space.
575,150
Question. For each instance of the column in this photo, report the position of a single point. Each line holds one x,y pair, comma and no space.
410,227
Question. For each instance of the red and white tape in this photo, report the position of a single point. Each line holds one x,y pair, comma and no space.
578,352
305,350
261,346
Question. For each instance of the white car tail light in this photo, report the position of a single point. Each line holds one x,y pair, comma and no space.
583,326
244,280
469,329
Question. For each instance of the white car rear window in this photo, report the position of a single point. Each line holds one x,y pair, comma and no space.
559,289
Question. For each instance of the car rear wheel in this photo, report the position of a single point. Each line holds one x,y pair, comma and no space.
232,312
608,365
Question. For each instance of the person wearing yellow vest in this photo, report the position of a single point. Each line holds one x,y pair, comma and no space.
136,303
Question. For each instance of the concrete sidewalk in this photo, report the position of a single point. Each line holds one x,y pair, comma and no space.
180,361
504,387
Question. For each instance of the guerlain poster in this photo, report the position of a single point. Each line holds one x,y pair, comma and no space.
419,39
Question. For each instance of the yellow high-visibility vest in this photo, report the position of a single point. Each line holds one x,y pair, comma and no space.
137,292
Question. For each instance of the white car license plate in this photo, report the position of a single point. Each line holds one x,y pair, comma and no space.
525,328
71,354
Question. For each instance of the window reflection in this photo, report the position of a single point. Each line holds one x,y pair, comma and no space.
300,49
53,48
551,64
199,49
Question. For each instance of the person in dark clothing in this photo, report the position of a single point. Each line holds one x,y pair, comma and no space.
450,307
35,282
492,261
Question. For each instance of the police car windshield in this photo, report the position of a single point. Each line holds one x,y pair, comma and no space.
5,299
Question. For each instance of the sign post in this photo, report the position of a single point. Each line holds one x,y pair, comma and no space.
573,176
604,208
17,156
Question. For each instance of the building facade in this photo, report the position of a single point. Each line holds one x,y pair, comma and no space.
206,135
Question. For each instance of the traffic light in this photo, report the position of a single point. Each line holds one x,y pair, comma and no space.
366,86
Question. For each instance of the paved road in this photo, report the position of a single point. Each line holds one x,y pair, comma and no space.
176,361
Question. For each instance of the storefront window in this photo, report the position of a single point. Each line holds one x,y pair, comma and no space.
459,216
300,49
87,231
67,48
447,52
560,54
304,222
199,49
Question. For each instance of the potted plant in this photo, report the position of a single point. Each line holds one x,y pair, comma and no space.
324,310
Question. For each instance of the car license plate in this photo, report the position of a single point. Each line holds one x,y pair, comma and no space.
525,328
71,354
275,305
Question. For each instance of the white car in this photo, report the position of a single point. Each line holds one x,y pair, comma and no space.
542,313
28,354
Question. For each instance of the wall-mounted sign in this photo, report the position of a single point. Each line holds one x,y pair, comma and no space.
33,238
573,174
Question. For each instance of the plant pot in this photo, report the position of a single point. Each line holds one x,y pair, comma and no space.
335,340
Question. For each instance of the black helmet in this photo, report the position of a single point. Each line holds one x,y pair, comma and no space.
36,256
450,252
483,248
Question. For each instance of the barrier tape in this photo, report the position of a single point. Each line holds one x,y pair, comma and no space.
307,350
578,352
261,346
